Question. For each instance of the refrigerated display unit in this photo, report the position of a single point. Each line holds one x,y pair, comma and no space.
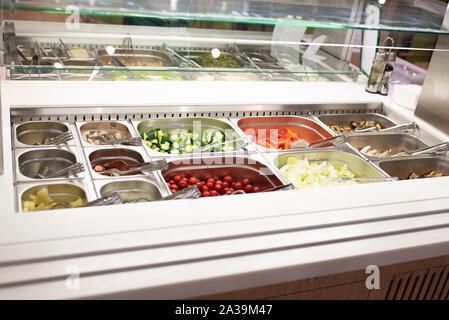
221,110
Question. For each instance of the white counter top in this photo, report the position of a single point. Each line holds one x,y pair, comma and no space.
188,248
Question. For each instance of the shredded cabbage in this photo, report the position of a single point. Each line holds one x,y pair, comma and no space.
310,174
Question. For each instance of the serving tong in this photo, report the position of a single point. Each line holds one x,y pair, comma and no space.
171,52
146,166
301,143
45,172
442,147
234,48
288,186
113,198
344,179
246,140
62,138
404,126
136,141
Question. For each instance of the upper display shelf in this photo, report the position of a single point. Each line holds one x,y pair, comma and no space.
425,16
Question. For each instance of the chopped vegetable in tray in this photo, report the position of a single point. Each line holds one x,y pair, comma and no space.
42,201
206,60
309,174
179,141
281,141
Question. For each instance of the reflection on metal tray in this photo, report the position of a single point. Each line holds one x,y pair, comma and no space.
358,166
420,165
342,120
305,128
387,142
131,191
31,161
29,133
251,167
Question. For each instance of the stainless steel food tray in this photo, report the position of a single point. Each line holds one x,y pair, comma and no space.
28,161
124,127
22,189
31,131
133,154
396,141
360,167
311,130
132,189
346,119
255,167
403,167
222,124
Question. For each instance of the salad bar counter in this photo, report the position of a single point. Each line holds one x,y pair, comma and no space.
63,164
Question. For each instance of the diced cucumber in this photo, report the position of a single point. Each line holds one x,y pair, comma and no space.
165,146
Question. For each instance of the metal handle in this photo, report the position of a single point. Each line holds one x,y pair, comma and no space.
428,150
191,192
136,141
364,179
153,166
114,198
72,169
247,140
335,140
404,126
288,186
245,57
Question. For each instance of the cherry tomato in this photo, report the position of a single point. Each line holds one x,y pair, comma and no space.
218,181
182,184
225,185
174,191
193,180
256,189
177,178
212,180
248,188
225,189
171,181
214,193
246,181
231,189
174,186
210,185
238,186
204,188
199,185
185,179
233,185
205,194
218,187
228,179
229,192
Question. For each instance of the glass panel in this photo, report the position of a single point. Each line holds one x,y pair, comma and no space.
37,51
399,15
